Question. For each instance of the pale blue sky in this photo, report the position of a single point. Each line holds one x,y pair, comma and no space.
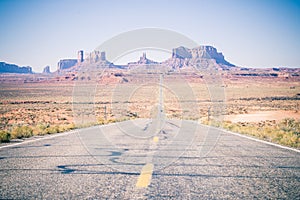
253,33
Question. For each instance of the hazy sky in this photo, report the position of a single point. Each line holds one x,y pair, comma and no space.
253,33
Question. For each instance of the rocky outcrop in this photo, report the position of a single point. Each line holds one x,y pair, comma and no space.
209,52
12,68
182,53
46,70
143,61
183,57
66,63
96,56
202,56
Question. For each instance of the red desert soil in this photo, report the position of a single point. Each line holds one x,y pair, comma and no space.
263,116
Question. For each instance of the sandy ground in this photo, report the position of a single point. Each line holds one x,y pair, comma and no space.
263,116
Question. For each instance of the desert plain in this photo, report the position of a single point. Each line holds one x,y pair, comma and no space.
266,107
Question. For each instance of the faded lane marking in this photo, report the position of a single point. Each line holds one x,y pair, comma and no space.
145,176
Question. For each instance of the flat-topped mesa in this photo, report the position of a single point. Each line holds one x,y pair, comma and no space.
93,59
12,68
199,53
209,52
66,64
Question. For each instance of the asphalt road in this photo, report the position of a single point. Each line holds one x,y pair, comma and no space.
135,160
148,159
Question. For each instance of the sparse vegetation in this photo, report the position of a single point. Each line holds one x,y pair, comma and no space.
19,132
285,132
4,136
46,107
102,121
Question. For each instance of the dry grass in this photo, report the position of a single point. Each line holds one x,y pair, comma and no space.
285,132
5,136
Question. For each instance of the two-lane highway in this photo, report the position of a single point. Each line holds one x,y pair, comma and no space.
106,163
155,158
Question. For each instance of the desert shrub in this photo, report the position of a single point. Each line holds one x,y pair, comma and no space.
62,128
4,136
102,121
44,129
216,123
111,120
290,139
121,119
290,125
71,126
52,129
21,132
62,118
40,129
66,127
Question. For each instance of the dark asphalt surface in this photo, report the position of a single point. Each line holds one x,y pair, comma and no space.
190,161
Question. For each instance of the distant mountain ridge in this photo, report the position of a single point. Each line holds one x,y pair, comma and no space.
12,68
181,57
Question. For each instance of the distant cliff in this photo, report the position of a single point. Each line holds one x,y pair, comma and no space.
12,68
183,56
209,52
66,63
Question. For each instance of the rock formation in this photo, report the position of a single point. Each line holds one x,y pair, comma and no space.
46,70
80,56
66,63
181,52
142,61
96,56
202,55
12,68
209,52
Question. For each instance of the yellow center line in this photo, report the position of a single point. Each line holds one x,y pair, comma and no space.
155,139
145,176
